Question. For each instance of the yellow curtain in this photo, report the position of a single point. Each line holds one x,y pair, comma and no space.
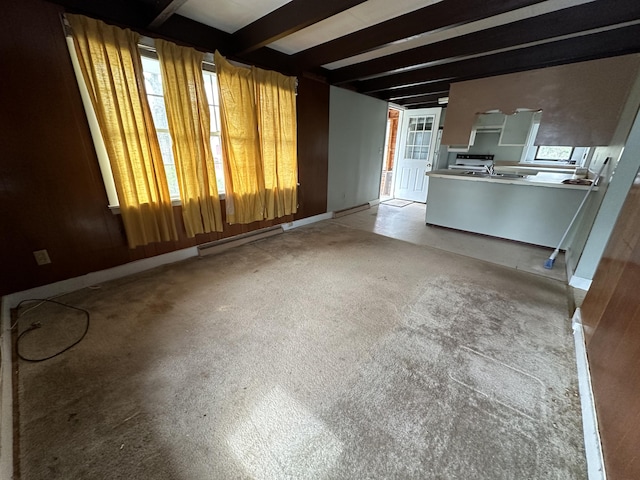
244,178
276,106
112,70
258,114
189,124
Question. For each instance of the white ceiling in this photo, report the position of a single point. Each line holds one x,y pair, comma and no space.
228,15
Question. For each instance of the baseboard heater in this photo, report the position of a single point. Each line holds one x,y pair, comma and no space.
348,211
219,246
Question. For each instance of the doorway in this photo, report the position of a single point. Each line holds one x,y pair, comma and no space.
386,179
415,156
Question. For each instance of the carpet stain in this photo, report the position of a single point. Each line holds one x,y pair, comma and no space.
160,307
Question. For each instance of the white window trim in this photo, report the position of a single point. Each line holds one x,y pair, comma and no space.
96,134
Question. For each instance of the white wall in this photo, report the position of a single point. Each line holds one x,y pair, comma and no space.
587,242
623,176
357,127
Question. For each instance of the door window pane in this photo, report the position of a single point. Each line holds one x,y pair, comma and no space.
418,138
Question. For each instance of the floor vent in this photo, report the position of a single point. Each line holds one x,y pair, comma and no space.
219,246
349,211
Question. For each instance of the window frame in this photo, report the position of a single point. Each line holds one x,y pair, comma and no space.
537,159
579,155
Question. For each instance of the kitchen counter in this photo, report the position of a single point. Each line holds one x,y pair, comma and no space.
541,179
535,209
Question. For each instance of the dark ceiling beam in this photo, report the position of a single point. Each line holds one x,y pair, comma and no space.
609,43
163,9
288,19
421,99
422,89
423,105
555,24
435,17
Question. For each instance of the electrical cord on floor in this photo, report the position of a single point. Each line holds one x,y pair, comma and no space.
37,325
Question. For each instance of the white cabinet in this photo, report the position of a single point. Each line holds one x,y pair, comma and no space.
515,130
535,213
489,121
485,122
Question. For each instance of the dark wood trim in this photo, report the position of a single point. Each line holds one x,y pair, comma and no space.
610,43
288,19
438,16
15,389
163,10
555,24
126,12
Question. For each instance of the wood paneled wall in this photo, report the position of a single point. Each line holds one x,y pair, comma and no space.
313,146
51,191
611,318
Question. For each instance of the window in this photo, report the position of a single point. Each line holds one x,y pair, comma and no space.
153,85
211,87
554,154
546,154
419,138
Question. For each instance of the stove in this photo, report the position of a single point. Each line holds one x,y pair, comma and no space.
472,162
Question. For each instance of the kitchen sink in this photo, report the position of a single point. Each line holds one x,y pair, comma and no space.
507,175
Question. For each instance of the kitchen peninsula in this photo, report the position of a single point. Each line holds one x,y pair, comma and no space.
534,209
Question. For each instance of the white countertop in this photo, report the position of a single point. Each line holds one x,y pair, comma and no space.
541,179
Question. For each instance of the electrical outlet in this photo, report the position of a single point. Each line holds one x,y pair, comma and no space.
42,257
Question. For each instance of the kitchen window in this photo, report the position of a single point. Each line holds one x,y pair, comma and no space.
551,155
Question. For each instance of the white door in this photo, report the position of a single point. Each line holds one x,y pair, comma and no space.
416,153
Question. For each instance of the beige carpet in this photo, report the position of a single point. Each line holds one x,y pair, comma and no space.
323,353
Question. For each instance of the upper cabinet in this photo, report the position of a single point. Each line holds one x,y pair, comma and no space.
515,130
581,103
489,121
